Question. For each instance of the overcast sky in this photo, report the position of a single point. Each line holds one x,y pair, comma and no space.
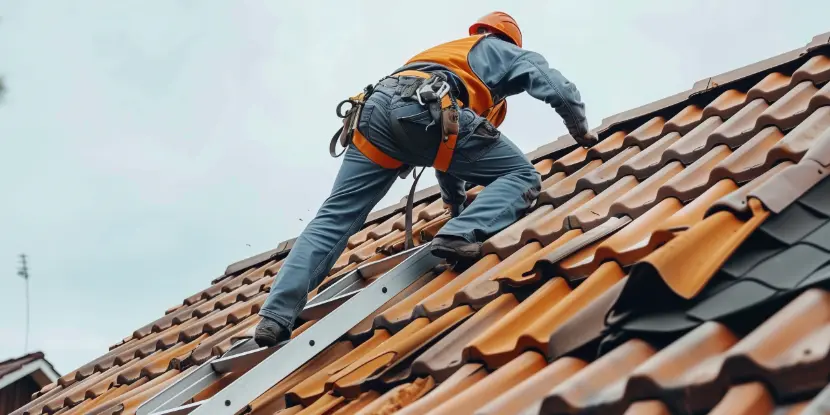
146,145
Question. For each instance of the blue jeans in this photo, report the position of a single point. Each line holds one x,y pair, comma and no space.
401,128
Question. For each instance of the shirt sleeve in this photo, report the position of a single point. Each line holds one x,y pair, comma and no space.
509,70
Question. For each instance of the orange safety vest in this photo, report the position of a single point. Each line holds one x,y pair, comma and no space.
454,56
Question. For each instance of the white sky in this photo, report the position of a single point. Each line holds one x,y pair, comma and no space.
146,145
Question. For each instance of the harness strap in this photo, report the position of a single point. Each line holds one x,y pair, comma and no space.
410,242
373,153
445,149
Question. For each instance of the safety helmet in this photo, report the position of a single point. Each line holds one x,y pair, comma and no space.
501,23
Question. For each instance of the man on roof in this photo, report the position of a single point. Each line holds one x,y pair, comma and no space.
441,109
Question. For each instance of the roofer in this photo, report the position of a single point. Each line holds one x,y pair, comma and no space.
441,109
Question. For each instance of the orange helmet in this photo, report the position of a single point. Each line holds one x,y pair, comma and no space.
501,23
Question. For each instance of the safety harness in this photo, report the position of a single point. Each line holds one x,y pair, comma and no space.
432,91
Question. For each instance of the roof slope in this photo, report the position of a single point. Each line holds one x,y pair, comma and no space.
679,266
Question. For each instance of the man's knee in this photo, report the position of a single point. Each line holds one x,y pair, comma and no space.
531,182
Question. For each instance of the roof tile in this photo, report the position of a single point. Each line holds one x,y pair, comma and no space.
348,382
603,176
692,181
572,161
532,389
750,160
497,345
314,386
399,397
596,211
607,148
398,315
563,190
446,356
725,105
462,379
771,88
553,225
496,383
579,390
441,300
684,121
646,134
640,199
817,70
747,399
693,144
648,161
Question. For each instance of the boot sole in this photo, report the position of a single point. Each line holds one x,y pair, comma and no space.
452,254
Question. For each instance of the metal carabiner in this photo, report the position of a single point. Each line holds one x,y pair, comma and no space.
339,109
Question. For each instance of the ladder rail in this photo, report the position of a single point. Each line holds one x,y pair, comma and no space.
396,273
235,397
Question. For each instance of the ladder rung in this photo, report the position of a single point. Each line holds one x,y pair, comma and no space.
241,362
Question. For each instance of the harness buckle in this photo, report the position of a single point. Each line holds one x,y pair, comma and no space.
428,93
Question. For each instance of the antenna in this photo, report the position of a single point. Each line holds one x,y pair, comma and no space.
24,272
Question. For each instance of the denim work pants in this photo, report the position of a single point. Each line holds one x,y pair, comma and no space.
401,128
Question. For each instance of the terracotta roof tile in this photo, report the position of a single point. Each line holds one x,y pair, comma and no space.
493,385
465,377
648,408
562,191
646,134
440,301
771,88
725,105
648,161
692,181
627,246
314,386
572,161
685,120
603,176
790,110
554,224
532,389
747,399
348,381
401,313
646,195
597,210
817,70
607,148
399,397
579,390
741,127
446,356
499,344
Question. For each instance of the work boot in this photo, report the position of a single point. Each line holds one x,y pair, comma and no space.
454,248
268,333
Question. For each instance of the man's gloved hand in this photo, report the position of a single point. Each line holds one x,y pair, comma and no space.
587,140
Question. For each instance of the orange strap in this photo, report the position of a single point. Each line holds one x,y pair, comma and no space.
445,148
373,153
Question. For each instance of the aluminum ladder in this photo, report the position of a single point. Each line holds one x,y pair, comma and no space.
339,307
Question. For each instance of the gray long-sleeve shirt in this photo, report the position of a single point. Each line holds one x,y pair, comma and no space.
509,70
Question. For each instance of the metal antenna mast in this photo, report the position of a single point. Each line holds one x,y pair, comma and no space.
24,272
